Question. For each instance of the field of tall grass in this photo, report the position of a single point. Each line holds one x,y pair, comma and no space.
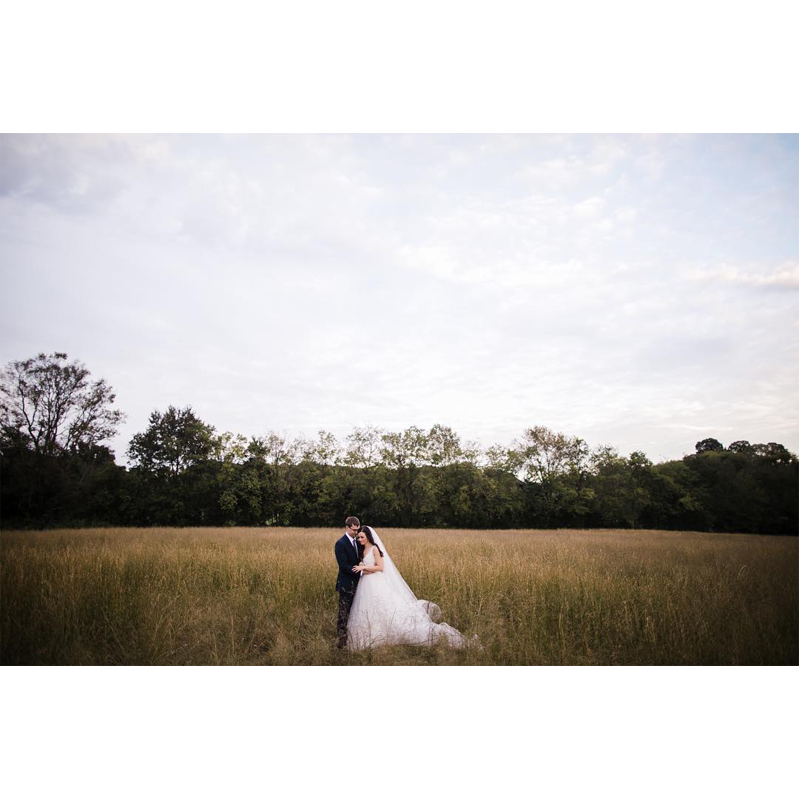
266,596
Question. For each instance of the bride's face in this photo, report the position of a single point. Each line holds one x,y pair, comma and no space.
362,538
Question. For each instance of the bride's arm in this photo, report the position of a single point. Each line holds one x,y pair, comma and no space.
378,562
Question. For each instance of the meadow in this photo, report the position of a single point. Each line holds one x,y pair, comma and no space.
265,596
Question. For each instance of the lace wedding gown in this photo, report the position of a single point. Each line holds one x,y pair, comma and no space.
385,611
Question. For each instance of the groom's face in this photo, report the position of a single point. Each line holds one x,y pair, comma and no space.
353,530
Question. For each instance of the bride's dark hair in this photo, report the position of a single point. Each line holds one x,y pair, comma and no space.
367,531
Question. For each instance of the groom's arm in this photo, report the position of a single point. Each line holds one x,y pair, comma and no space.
341,557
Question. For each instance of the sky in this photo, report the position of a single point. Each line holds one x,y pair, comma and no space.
639,291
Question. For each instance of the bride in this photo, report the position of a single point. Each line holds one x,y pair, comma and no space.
385,610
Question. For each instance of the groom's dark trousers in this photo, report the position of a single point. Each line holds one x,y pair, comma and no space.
347,557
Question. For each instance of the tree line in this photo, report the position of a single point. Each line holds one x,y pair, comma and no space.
57,470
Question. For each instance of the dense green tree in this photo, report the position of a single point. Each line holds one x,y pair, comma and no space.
53,422
229,448
404,454
57,471
51,406
275,454
619,498
741,446
774,453
677,498
554,468
240,493
708,445
175,469
173,441
733,498
364,447
324,449
444,446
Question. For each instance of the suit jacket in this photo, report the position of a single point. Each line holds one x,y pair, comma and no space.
347,558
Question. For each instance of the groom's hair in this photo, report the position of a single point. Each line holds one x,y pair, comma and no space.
351,521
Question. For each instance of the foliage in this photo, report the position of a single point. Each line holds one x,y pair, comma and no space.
53,422
56,471
49,405
173,441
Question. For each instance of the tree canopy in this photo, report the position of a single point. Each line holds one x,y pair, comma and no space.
57,471
51,406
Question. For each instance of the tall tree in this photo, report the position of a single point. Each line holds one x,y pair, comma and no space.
554,467
546,454
364,447
618,496
444,446
741,446
325,449
774,453
708,446
404,455
173,441
50,405
53,419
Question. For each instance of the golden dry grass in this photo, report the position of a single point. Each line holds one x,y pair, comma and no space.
266,596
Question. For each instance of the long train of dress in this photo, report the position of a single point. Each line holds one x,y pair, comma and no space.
381,616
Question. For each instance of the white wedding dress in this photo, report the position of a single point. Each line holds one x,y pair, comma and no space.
385,611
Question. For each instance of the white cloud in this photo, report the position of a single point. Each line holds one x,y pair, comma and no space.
589,208
783,276
626,216
603,226
612,287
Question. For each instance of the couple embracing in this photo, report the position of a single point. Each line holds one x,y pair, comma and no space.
376,606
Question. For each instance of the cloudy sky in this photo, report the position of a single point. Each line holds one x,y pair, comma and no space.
638,291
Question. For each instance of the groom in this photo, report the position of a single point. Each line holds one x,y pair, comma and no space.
348,555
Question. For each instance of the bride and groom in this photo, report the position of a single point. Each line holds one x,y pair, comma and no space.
376,606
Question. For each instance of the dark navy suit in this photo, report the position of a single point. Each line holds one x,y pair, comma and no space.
347,557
